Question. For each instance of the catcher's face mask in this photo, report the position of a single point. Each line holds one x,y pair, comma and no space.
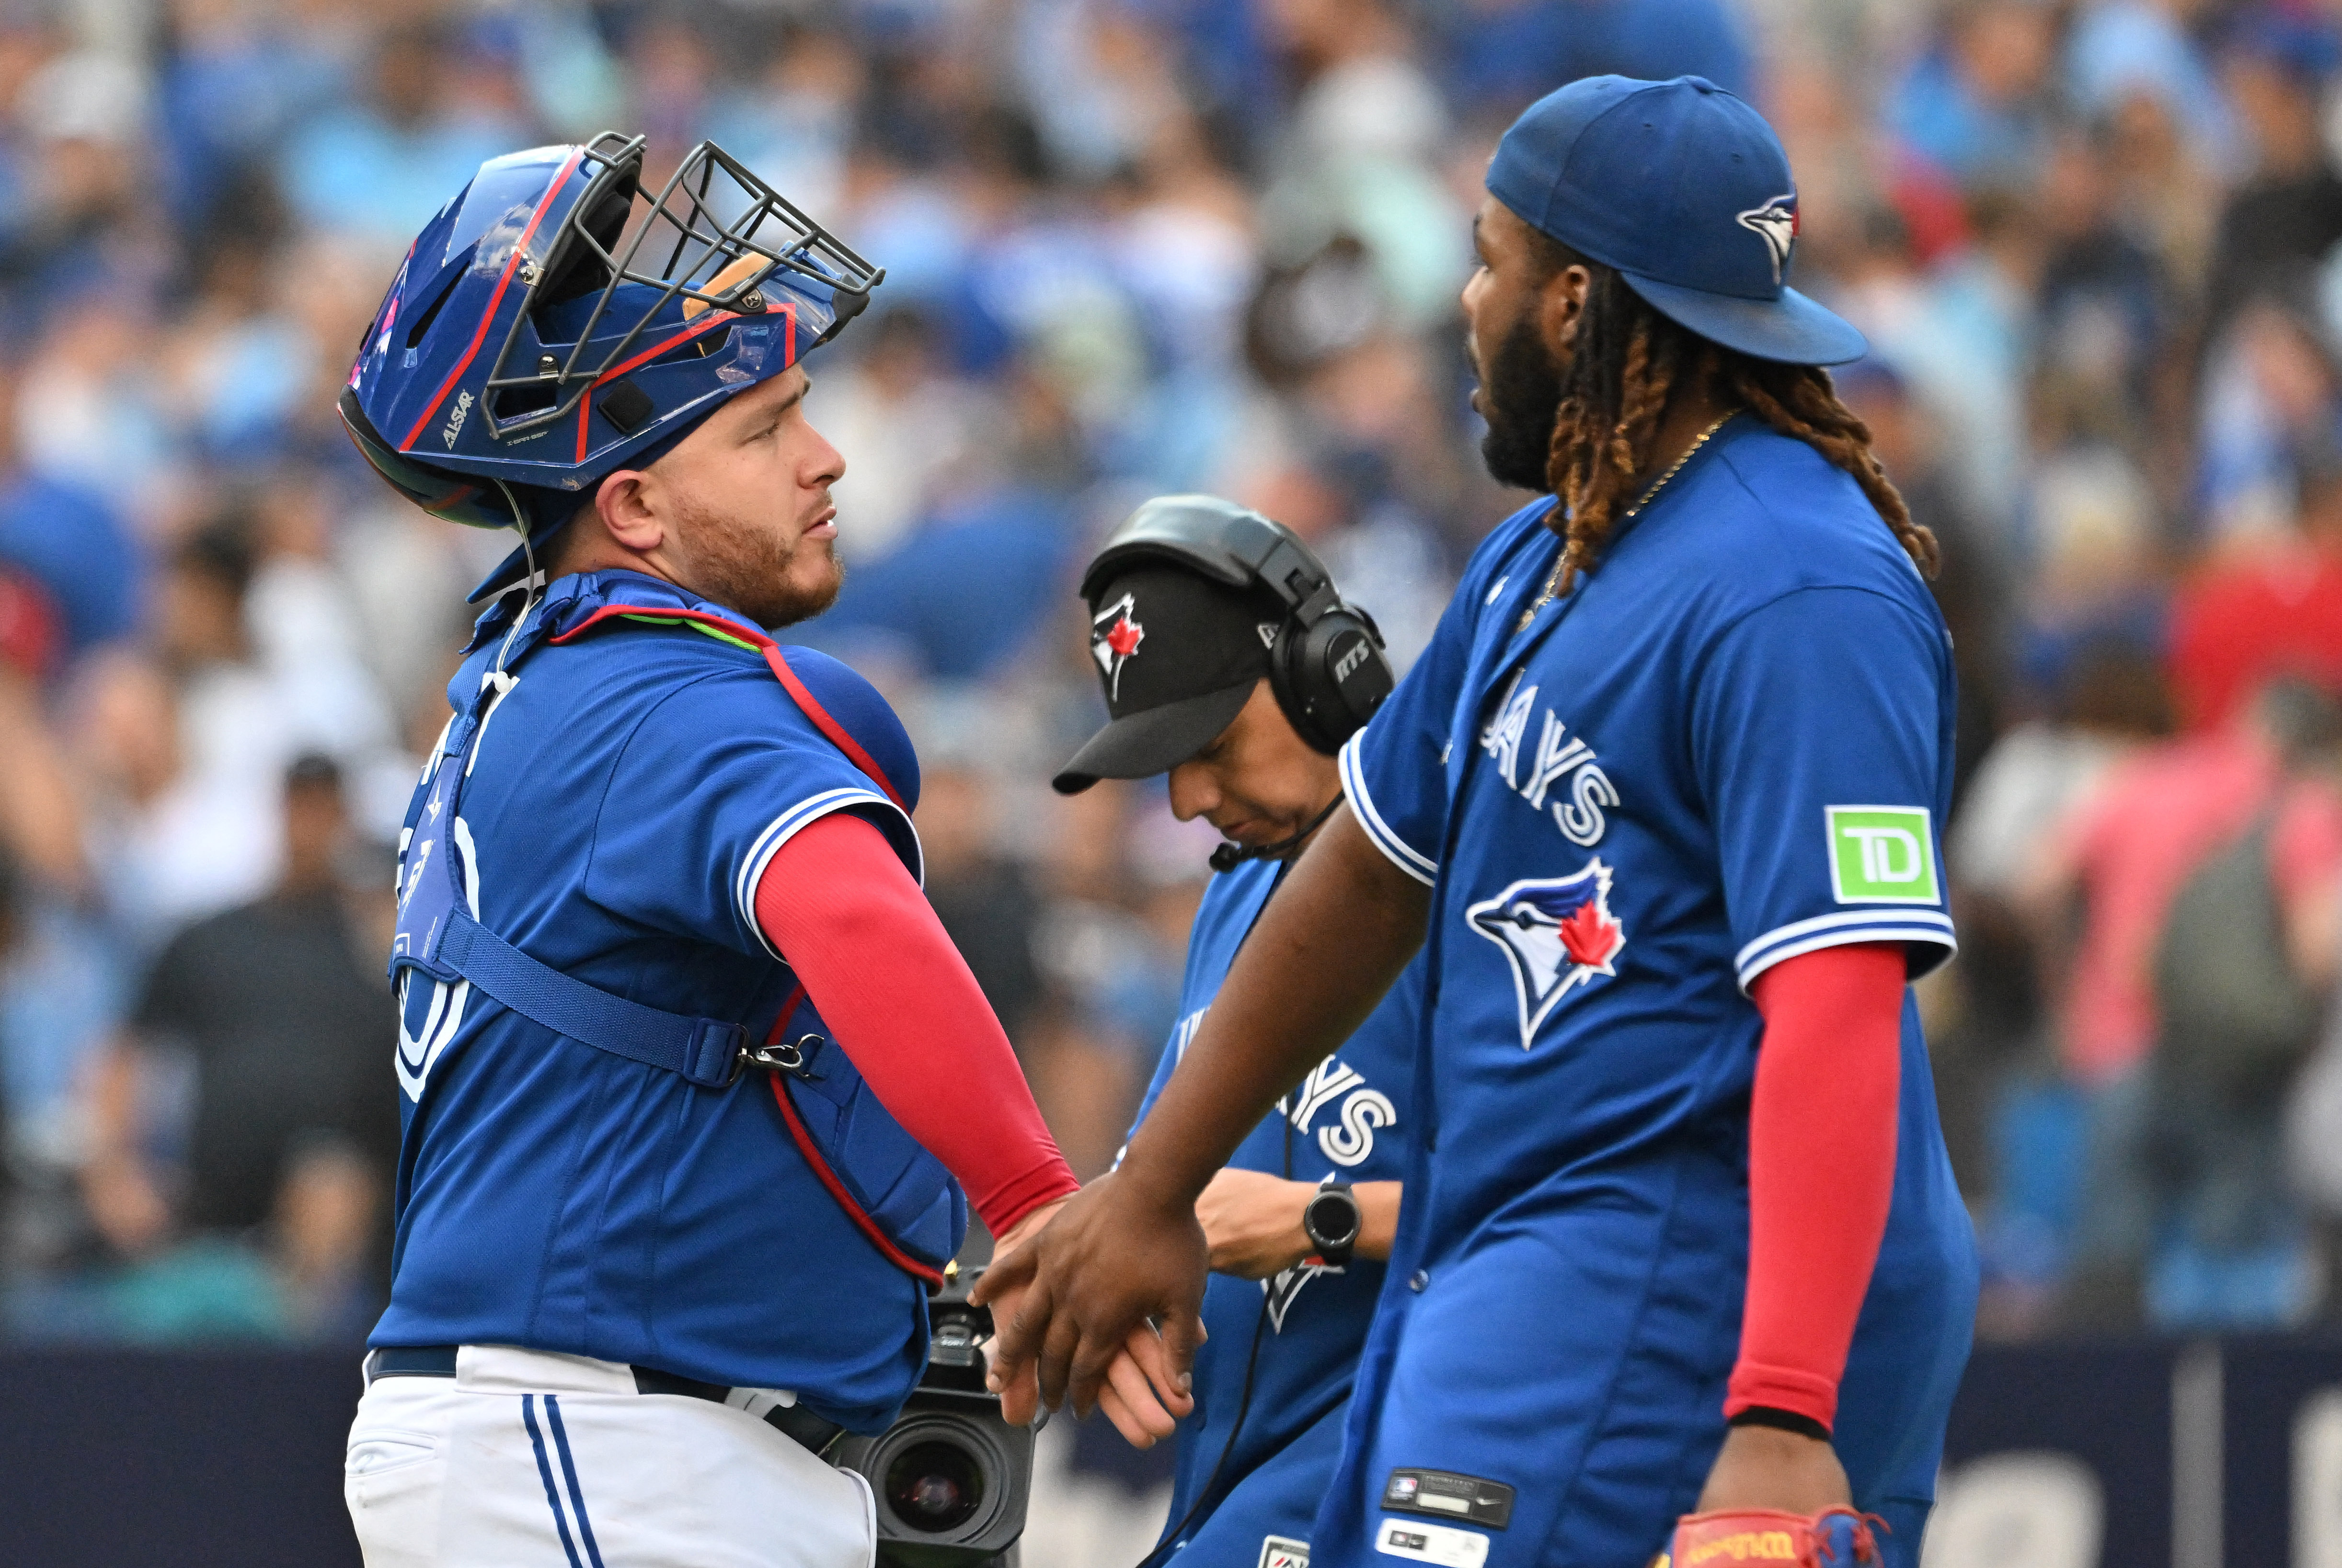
555,323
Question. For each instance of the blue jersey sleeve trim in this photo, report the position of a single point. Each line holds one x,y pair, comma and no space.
1400,853
787,826
1928,931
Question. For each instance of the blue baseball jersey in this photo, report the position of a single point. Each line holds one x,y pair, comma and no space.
625,793
1730,745
1346,1122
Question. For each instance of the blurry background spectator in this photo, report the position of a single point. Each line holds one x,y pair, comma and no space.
249,1186
2242,971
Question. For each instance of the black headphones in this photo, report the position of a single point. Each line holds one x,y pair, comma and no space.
1326,665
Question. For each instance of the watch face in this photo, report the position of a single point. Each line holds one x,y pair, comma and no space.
1332,1219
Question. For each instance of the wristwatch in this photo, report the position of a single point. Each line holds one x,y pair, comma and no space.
1331,1221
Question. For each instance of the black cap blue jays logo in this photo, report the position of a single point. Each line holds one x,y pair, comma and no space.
1115,636
1775,222
1557,932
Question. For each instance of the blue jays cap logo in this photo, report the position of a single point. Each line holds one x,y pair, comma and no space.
1558,934
1115,636
1775,222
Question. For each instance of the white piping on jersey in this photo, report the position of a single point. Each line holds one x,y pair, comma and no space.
503,686
787,826
438,753
1890,927
1400,853
1849,917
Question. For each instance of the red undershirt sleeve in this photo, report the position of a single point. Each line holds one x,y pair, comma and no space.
899,999
1821,1169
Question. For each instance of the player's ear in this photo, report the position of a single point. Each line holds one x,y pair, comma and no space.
625,511
1561,305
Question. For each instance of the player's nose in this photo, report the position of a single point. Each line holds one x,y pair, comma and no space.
825,465
1475,283
1192,794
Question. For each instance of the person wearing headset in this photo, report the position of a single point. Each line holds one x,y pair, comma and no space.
1229,662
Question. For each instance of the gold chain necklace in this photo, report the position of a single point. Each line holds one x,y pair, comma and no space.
1553,582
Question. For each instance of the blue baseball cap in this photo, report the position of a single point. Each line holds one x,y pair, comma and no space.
1686,191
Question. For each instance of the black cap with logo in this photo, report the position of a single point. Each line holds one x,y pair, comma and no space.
1178,656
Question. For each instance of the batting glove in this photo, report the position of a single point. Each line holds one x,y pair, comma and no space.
1764,1537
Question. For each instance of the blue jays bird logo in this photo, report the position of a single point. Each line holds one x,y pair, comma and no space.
1775,222
1558,934
1115,636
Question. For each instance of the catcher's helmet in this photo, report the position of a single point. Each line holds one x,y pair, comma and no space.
536,339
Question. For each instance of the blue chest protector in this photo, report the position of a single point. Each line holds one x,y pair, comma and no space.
899,1194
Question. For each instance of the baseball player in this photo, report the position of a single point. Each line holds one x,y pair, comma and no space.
1210,680
693,1083
1659,805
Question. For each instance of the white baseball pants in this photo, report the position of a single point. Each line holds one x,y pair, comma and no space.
525,1458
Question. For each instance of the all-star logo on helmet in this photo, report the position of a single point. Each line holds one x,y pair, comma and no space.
558,319
1775,222
1115,636
455,419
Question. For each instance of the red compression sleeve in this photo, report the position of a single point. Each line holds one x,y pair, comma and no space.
1821,1169
902,1003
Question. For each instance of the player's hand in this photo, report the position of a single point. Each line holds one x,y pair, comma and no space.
1144,1412
1114,1257
1763,1467
1144,1416
1252,1223
1019,1399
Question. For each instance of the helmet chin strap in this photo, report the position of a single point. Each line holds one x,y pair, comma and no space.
529,584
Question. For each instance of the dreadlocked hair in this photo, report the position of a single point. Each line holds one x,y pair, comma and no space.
1623,372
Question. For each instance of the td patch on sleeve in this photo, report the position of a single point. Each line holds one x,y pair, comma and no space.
1882,855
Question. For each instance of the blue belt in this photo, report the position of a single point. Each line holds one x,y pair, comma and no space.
815,1435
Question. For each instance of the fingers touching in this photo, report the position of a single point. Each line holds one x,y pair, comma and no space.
1020,1399
1131,1404
1183,1334
1171,1385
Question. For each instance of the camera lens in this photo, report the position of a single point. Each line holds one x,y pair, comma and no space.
935,1486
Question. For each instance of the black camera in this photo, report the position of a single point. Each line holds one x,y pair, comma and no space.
953,1480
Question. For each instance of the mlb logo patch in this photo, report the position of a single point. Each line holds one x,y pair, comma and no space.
1882,855
1276,1551
1435,1543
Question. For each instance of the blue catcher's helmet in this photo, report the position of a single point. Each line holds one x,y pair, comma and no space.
544,332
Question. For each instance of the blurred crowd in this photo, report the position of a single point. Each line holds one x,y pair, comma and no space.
1135,246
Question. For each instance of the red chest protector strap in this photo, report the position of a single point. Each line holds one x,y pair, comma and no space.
814,1158
750,637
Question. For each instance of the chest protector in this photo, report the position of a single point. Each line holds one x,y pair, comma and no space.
896,1192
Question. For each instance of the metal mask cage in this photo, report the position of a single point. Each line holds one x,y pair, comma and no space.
710,217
